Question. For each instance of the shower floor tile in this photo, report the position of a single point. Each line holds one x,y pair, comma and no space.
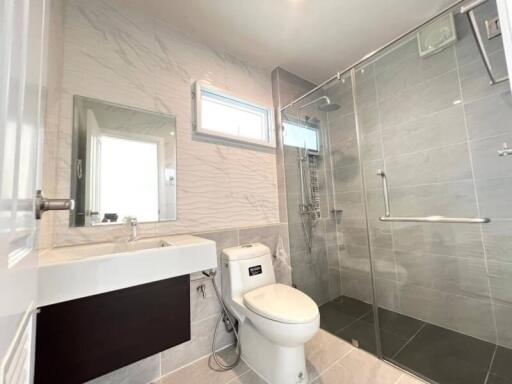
349,306
332,319
364,332
446,356
443,355
502,364
494,379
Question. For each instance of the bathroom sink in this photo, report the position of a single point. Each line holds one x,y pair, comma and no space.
79,252
67,273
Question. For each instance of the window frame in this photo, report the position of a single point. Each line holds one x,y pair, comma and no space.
231,99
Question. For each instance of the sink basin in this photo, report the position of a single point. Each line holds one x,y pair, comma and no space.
68,273
79,252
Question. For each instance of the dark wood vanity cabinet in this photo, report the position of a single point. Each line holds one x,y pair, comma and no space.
82,339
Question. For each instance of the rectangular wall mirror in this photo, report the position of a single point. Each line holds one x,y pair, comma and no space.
123,164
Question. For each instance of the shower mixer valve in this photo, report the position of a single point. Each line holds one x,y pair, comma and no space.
505,151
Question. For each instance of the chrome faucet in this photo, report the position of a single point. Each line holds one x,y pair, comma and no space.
131,221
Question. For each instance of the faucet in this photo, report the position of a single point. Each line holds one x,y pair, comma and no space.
131,221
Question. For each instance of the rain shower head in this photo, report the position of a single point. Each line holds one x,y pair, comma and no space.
328,106
325,106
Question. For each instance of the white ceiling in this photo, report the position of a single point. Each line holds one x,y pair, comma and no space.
311,38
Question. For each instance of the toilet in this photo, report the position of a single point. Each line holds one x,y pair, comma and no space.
274,320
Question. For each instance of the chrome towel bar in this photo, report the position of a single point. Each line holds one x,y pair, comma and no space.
421,219
436,219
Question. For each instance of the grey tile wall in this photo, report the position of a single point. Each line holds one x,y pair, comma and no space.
434,124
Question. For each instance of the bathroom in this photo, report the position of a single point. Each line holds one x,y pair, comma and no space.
255,192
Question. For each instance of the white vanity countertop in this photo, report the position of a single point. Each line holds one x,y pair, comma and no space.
68,273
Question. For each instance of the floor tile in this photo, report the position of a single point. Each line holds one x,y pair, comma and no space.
408,379
361,368
323,351
446,356
364,332
200,372
333,319
494,379
248,378
502,363
349,306
396,323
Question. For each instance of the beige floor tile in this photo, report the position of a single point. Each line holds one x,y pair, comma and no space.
408,379
248,378
323,351
201,372
359,367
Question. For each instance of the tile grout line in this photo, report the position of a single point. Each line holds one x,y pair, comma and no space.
351,349
352,323
490,364
410,339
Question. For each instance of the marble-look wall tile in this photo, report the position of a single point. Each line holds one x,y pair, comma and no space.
127,57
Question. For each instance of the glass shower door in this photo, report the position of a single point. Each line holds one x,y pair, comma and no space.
433,126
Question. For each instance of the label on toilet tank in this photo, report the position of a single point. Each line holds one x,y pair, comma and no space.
256,270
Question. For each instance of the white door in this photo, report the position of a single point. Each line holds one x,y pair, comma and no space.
22,43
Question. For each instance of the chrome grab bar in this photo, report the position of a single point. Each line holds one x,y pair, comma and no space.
382,174
437,219
421,219
468,10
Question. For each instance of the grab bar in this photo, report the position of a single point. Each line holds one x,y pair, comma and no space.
381,173
437,219
468,10
421,219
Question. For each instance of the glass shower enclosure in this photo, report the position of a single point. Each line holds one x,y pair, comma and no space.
398,198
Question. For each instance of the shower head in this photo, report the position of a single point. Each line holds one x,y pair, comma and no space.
328,106
325,106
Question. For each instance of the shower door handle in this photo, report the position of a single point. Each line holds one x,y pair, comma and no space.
421,219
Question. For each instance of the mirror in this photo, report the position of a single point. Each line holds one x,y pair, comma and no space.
123,164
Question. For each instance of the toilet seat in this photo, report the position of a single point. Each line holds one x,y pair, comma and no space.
281,303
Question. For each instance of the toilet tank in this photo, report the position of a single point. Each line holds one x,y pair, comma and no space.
245,268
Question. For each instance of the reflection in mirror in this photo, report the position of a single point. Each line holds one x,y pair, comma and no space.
123,164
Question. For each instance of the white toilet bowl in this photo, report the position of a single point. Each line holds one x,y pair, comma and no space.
275,320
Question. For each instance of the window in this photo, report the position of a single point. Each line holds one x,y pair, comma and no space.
227,117
300,136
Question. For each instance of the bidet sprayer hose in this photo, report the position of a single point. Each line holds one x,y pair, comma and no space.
221,366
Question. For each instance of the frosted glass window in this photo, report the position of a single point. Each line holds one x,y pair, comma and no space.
300,136
232,118
128,183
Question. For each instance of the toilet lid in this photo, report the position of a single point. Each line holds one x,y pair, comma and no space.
281,303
